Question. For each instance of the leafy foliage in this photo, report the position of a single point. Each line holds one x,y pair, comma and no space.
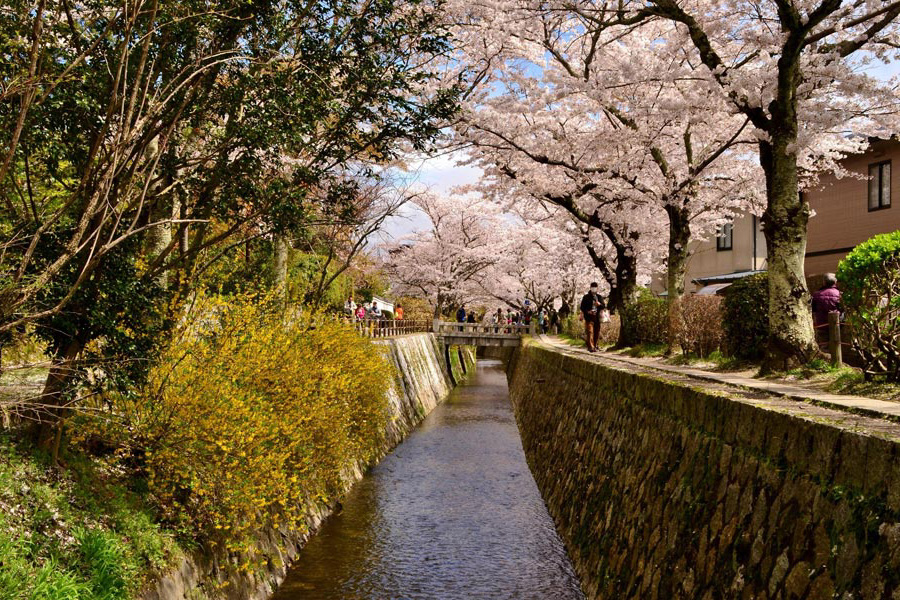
870,283
251,415
745,316
646,321
77,536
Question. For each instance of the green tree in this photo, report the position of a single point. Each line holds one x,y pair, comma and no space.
143,139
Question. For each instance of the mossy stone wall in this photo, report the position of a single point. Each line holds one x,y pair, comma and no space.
665,488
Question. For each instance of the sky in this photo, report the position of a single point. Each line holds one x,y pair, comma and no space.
440,174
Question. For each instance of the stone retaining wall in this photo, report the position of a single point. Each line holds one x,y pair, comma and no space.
665,487
423,380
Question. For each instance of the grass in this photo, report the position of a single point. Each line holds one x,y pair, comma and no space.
573,340
78,534
715,361
645,350
852,382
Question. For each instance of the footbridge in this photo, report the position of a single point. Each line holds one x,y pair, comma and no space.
451,333
478,334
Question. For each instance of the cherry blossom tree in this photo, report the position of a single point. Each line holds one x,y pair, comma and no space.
612,113
543,261
445,263
791,67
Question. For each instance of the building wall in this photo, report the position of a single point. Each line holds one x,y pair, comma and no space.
706,260
842,218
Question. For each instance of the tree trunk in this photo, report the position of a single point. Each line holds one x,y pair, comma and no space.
281,264
676,265
679,238
791,335
52,399
626,291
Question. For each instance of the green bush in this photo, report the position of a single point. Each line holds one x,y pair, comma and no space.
745,316
646,320
870,282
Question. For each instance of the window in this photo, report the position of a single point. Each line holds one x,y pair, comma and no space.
724,237
880,185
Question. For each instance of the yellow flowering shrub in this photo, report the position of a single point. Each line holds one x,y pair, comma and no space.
251,414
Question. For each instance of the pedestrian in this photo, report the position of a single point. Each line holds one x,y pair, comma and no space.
399,313
471,317
591,305
498,319
824,301
350,306
360,312
554,321
376,310
461,316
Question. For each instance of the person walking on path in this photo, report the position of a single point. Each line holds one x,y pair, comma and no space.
824,301
461,316
399,314
471,317
591,305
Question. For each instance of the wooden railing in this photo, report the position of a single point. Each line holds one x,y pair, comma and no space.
483,329
384,328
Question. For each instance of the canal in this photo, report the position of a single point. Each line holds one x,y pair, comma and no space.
452,513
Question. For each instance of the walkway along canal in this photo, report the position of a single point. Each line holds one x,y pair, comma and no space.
452,513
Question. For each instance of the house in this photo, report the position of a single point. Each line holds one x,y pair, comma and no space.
738,250
850,210
845,212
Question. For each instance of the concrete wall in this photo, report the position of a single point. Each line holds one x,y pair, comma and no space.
664,489
422,381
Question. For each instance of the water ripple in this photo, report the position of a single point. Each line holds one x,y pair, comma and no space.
452,513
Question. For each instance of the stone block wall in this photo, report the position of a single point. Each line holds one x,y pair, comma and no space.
663,487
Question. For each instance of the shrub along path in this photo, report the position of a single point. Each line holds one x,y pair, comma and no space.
856,404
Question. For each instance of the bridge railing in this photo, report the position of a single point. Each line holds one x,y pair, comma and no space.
384,328
482,329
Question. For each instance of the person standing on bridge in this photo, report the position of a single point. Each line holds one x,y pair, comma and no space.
461,316
591,305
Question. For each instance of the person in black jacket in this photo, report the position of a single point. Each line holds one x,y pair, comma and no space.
461,316
591,305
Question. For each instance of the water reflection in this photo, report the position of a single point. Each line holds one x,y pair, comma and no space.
453,512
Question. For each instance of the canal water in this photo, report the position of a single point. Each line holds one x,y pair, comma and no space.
452,513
